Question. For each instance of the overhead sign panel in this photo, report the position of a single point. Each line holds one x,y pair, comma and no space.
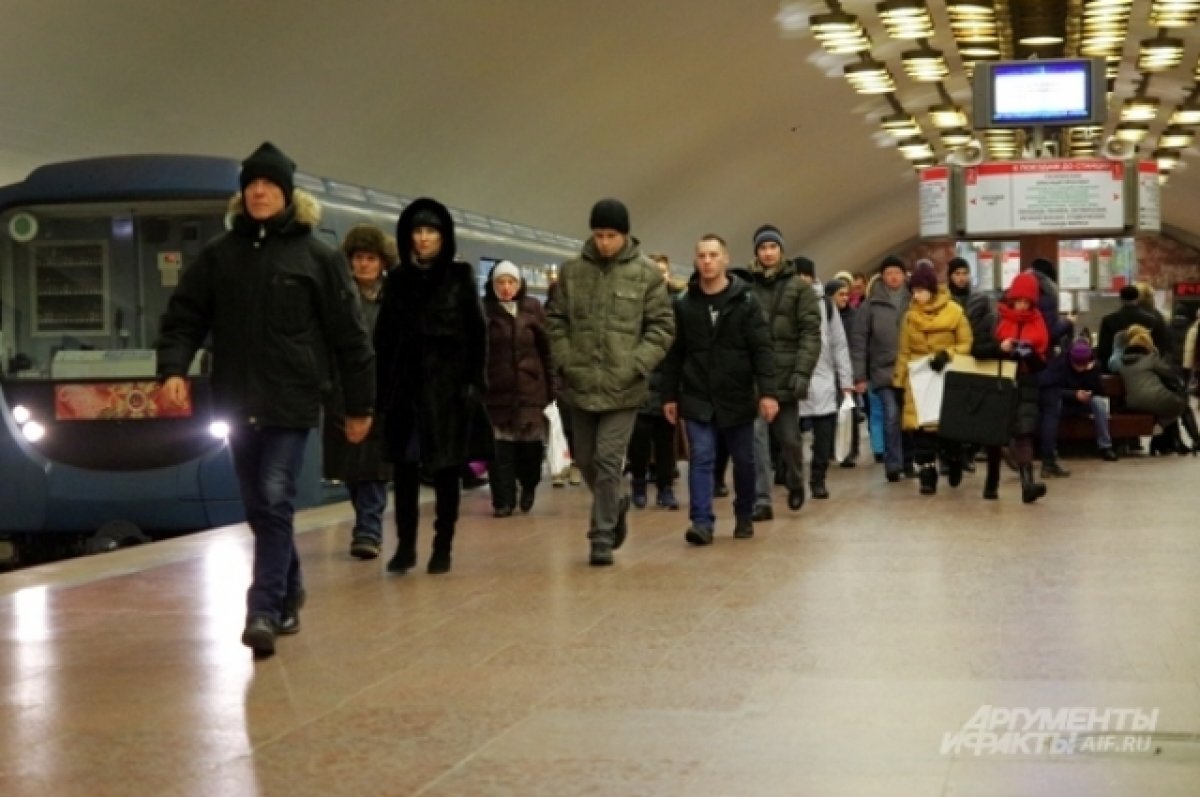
1044,196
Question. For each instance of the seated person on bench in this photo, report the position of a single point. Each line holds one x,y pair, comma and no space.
1077,377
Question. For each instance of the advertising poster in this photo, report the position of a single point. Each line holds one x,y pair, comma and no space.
115,401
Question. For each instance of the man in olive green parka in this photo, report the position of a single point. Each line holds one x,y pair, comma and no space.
610,323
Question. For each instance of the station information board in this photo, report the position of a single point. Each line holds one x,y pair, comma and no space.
935,202
1044,196
1149,197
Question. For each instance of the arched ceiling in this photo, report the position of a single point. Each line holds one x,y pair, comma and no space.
699,114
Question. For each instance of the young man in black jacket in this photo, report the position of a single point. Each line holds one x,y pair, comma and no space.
280,307
718,377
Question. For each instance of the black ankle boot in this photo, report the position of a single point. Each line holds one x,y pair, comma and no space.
439,563
1030,490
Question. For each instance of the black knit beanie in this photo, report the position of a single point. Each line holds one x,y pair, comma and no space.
805,267
269,163
768,233
610,214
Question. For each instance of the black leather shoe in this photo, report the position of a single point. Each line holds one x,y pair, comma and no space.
796,499
818,490
1108,455
743,529
762,513
259,636
720,491
289,617
439,563
526,502
502,511
698,535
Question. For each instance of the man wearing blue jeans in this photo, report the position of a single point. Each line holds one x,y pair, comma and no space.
280,309
718,377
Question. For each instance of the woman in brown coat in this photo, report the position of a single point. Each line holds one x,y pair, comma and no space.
933,327
519,387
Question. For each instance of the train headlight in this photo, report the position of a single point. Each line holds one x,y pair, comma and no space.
33,431
21,414
219,429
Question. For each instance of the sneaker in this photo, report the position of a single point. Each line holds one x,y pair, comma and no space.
743,529
1108,455
698,535
602,554
639,494
849,462
559,479
762,513
621,530
259,636
574,476
666,499
364,548
402,562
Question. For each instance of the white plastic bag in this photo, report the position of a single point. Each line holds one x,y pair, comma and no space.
927,386
843,438
558,453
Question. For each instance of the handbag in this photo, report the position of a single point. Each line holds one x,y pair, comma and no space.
978,407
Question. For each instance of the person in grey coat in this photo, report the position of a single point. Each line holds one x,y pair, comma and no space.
830,381
873,349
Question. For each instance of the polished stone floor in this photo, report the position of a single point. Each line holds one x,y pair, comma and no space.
834,654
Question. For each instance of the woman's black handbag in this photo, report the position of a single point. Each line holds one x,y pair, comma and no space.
978,407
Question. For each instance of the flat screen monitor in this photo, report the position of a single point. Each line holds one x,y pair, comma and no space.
1058,92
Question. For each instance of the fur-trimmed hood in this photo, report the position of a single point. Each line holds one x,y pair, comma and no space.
305,206
405,226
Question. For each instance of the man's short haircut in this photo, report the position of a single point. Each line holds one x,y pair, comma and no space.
712,236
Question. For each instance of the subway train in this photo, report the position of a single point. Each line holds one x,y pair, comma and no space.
92,458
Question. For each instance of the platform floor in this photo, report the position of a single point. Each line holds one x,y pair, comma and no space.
831,655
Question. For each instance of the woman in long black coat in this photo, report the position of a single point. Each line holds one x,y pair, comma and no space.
431,351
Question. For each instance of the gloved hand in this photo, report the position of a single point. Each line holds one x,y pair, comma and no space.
938,363
798,386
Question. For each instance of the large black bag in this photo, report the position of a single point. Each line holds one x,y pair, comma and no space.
978,408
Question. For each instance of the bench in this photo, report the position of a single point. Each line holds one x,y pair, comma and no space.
1123,424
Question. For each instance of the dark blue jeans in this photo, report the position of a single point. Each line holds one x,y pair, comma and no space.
702,453
268,461
369,499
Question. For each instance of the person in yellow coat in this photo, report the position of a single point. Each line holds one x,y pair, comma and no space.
934,327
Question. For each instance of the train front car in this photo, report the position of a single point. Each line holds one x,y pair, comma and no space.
90,252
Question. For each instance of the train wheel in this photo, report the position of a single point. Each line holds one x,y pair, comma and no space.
113,535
